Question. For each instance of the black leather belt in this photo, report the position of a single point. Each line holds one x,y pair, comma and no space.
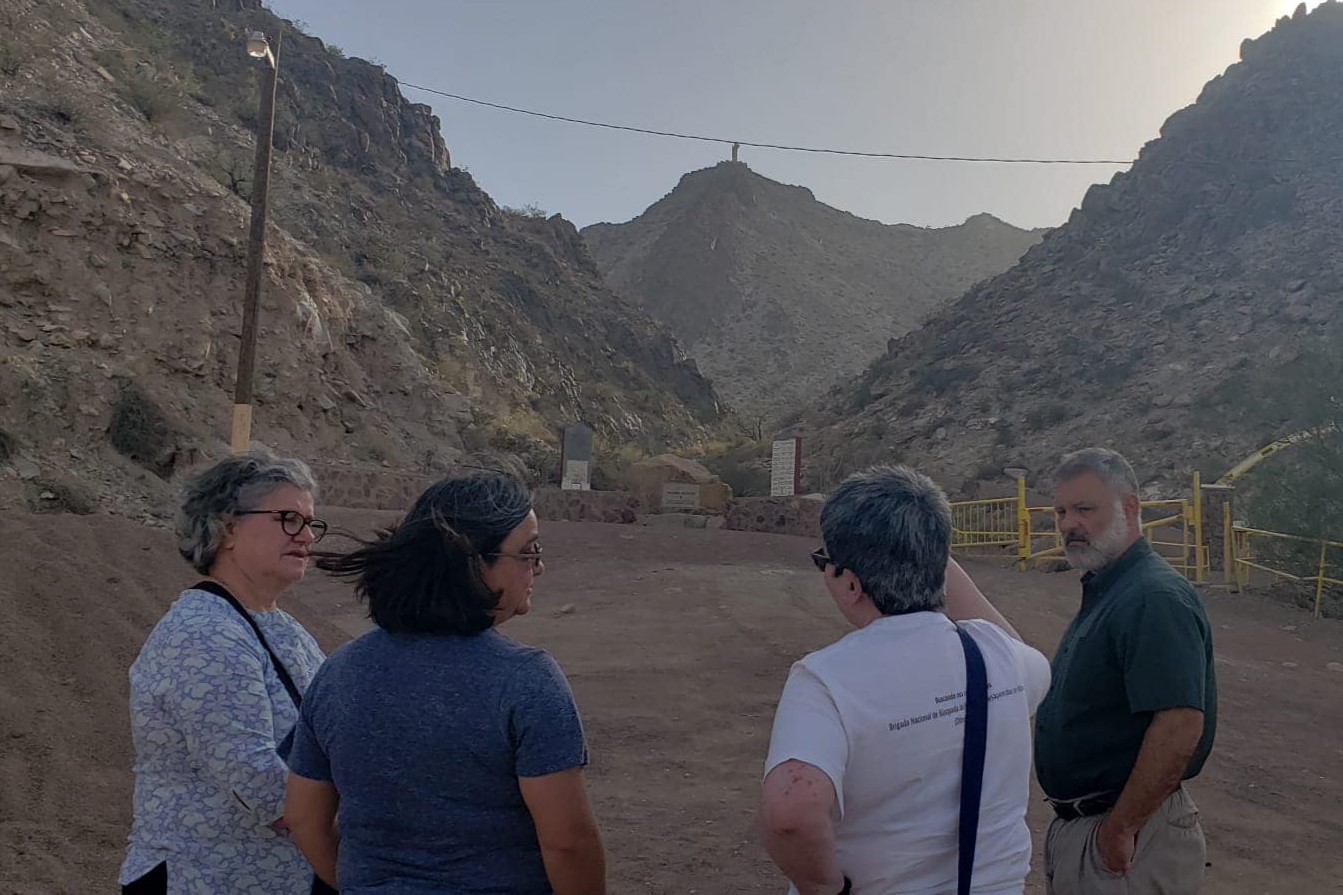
1087,806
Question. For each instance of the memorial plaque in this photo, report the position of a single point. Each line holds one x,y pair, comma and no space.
680,496
785,473
576,458
576,476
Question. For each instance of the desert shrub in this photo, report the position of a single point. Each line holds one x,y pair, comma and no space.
140,431
1047,415
745,467
530,210
61,497
941,379
150,98
11,60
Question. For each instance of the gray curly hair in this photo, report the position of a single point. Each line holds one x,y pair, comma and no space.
213,496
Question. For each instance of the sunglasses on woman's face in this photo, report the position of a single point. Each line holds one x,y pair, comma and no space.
821,559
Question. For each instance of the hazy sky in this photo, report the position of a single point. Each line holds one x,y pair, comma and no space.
1053,78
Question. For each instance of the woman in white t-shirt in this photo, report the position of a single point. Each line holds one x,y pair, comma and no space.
863,779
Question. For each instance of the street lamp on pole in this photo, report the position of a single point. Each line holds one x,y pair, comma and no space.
259,48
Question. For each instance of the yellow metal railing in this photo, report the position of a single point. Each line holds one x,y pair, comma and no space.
1251,549
1011,521
984,523
994,523
1038,529
1174,522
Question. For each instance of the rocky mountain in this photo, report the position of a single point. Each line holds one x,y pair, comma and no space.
1182,314
407,319
776,295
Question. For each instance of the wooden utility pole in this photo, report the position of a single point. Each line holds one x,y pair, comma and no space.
241,435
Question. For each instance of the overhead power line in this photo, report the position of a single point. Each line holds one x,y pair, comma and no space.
787,148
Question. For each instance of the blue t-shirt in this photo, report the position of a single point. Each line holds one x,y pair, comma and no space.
424,738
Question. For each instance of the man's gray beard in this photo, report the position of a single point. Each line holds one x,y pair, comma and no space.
1105,548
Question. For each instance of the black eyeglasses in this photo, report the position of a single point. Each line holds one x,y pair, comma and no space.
822,559
292,522
531,556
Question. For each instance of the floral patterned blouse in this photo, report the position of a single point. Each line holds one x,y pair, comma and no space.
207,710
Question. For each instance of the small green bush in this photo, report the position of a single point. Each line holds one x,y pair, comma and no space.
1047,415
10,59
530,210
61,497
141,432
150,98
941,379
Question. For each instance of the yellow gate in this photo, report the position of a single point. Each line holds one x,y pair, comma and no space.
993,523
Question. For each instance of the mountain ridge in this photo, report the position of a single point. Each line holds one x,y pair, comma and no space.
1167,317
775,294
407,319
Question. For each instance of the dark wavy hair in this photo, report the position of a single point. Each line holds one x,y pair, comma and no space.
422,576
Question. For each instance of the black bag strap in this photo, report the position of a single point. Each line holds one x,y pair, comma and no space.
214,587
972,762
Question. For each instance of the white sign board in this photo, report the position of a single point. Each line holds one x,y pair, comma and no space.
678,496
785,468
576,476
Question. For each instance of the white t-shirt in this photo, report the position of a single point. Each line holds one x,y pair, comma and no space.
882,712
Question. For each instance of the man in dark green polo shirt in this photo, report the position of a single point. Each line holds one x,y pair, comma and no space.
1133,706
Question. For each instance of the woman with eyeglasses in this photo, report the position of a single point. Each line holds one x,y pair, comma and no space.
453,754
215,690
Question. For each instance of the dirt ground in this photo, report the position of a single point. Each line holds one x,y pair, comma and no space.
677,643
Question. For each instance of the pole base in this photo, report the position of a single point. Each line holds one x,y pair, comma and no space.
241,437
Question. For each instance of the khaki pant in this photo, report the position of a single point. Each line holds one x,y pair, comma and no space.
1168,859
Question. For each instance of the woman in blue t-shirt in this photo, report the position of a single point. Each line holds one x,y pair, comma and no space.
453,753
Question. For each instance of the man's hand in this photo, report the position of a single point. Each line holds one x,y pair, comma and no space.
1166,749
1115,845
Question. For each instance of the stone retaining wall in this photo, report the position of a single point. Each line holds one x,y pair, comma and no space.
368,488
586,506
371,488
799,516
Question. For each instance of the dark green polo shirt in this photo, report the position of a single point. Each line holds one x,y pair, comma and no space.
1140,643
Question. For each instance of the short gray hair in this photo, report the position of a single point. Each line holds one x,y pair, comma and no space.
1107,465
891,526
215,495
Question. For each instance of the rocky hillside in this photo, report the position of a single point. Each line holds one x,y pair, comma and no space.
407,319
777,296
1178,315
